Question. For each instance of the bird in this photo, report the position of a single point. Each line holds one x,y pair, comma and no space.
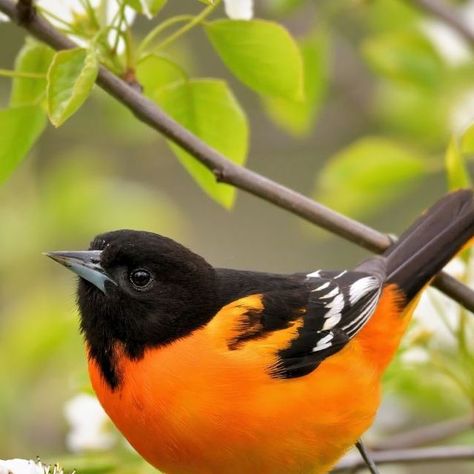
212,370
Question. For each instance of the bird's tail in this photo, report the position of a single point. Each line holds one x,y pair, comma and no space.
434,238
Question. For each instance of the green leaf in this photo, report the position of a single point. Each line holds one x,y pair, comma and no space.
155,72
208,109
389,15
149,8
262,54
35,58
297,117
283,7
70,80
20,127
417,114
367,175
456,169
467,141
407,57
457,174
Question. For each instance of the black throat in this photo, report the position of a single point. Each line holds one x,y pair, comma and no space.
135,327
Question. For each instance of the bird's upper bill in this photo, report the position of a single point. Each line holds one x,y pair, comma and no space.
86,264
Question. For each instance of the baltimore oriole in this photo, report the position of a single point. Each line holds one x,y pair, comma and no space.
209,370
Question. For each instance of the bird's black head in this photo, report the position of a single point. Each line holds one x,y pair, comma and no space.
141,290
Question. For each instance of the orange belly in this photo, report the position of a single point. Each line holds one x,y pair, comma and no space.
192,407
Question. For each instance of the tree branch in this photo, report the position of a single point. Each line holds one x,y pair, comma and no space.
227,172
408,456
426,435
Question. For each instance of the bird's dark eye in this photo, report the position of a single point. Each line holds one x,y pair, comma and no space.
140,279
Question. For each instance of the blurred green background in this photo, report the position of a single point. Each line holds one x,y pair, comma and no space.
393,85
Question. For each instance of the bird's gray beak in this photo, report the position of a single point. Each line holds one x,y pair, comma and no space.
84,263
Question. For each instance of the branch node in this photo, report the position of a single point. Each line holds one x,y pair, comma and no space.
220,174
26,12
129,76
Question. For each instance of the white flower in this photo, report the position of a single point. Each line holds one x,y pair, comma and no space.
450,45
462,112
26,466
456,268
239,9
429,320
432,302
70,10
415,355
88,423
467,12
22,466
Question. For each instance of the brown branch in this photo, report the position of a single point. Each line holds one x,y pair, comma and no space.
228,172
408,456
426,435
26,11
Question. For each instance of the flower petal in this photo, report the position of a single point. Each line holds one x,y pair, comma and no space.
87,420
239,9
21,466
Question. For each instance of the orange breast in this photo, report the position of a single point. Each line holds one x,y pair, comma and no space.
195,407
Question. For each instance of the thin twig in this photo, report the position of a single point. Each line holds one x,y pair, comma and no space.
228,172
408,456
196,20
426,435
367,457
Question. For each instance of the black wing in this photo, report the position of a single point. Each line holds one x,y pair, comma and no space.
329,308
339,305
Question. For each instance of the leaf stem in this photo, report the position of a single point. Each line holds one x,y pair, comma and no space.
188,26
129,52
90,11
440,310
160,28
463,315
121,20
22,75
70,28
438,362
110,56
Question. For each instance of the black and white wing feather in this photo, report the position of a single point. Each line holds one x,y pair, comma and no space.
339,305
328,308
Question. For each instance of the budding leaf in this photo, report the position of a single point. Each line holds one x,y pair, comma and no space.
455,160
70,80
